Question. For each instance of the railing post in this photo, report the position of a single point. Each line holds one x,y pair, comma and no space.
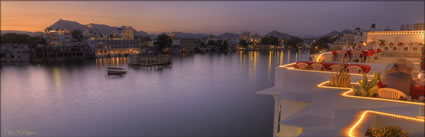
276,113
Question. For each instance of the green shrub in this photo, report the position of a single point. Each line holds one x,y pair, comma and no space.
341,79
386,132
367,88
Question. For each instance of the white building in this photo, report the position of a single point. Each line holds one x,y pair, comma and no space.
248,37
57,37
10,52
125,33
418,26
108,48
306,106
342,41
400,42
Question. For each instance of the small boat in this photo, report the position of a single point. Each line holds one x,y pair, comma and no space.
114,68
115,71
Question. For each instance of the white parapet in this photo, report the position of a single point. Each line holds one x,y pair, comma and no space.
305,108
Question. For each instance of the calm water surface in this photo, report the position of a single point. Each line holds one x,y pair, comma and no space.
199,95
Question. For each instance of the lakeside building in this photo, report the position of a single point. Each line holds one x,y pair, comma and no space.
112,48
187,46
61,46
317,108
180,45
251,38
46,53
342,41
125,33
233,43
11,52
120,42
58,37
419,26
405,43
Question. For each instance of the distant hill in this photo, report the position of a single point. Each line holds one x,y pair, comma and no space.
336,33
21,32
73,25
67,24
189,35
311,37
227,35
346,31
278,34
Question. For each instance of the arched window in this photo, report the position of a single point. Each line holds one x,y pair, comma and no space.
415,49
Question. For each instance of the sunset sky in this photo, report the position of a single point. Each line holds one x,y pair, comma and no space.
298,18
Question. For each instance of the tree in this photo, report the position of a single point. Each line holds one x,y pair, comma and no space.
323,43
243,43
203,45
15,38
77,34
211,42
163,41
265,41
274,41
294,42
223,47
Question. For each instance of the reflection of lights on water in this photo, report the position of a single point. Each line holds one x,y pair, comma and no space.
111,61
57,77
270,63
240,58
255,61
289,57
296,56
58,83
281,58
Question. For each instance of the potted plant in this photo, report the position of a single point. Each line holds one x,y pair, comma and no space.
386,132
340,79
367,88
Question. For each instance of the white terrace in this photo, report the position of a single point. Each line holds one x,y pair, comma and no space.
305,108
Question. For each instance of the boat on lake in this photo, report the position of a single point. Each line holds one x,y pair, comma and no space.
115,71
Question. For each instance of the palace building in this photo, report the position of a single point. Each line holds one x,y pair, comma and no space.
58,37
399,42
111,48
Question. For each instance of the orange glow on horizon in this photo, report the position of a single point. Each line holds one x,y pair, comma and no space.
35,16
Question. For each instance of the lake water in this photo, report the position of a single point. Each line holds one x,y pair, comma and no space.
198,95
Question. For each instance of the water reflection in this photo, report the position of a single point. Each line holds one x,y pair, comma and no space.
149,68
281,57
111,61
78,100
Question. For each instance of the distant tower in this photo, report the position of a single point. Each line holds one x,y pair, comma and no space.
373,26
